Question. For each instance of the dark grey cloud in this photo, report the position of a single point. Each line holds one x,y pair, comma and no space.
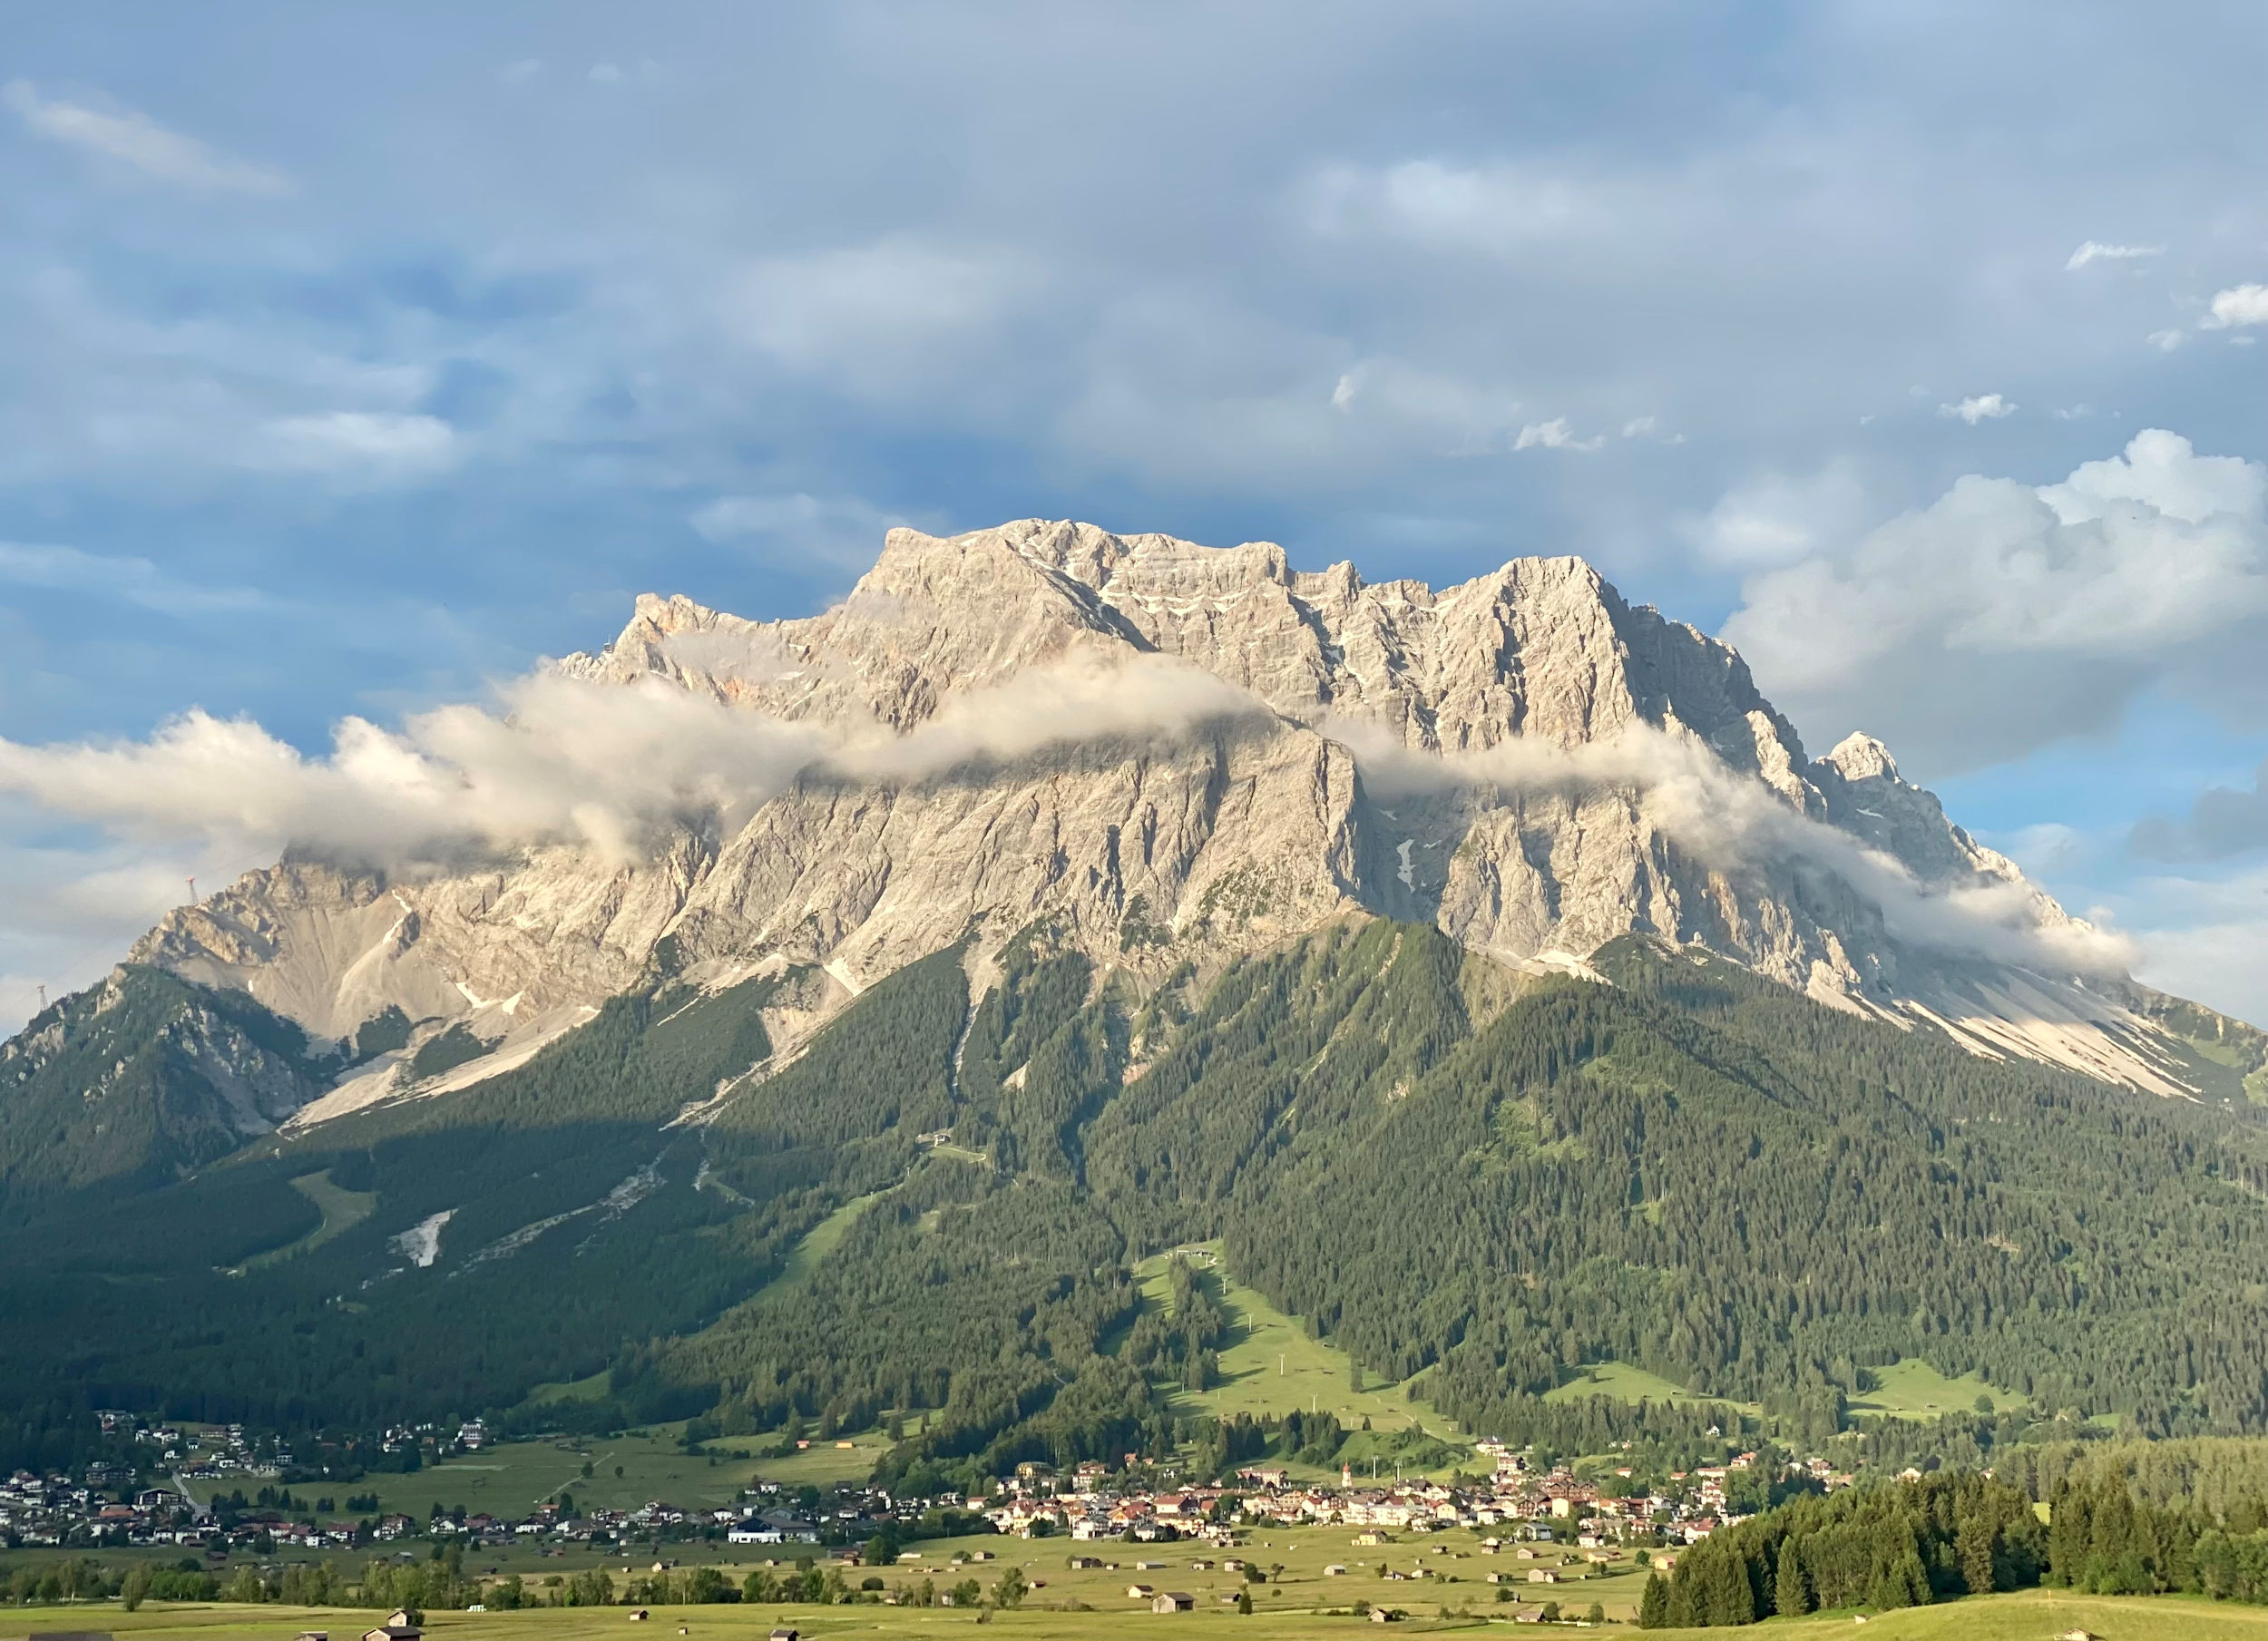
2224,822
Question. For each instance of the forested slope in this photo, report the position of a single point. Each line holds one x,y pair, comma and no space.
1748,1194
1445,1169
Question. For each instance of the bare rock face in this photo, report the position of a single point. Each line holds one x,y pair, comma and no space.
1686,808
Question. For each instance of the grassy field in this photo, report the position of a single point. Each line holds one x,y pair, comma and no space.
2032,1615
1628,1383
821,1240
342,1211
1271,1366
1913,1389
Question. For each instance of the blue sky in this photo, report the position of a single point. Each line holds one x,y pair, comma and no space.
352,357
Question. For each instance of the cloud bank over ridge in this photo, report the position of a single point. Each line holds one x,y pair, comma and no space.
613,768
558,760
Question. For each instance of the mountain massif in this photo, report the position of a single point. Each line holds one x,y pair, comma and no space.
1491,969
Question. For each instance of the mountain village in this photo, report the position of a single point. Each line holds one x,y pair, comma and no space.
1549,1525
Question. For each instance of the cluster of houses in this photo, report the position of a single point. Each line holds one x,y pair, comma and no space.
215,1454
51,1511
1548,1507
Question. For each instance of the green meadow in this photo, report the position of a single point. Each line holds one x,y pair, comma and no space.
2029,1616
342,1211
1272,1366
1913,1389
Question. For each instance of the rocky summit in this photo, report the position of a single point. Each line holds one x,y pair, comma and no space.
1525,761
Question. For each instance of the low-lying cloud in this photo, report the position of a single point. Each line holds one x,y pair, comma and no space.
560,760
1733,821
613,768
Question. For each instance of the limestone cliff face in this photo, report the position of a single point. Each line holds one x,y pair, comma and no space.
1152,851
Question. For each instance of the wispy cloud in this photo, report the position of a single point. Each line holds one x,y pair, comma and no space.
357,444
1774,519
2094,250
838,530
137,140
1497,208
1554,434
1735,822
133,581
1978,407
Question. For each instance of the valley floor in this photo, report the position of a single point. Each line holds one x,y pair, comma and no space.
2028,1616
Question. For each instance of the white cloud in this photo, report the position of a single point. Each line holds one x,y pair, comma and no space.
1495,209
2160,471
137,140
1978,407
2239,304
1733,820
133,581
2004,616
839,529
2047,848
2206,937
1554,435
611,767
560,760
2094,251
605,74
563,762
1428,405
74,904
1636,426
379,445
1775,519
2165,341
882,319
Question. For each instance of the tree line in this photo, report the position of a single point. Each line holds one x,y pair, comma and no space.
1909,1543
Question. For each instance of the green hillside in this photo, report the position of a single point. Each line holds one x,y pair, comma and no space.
1270,1366
1563,1212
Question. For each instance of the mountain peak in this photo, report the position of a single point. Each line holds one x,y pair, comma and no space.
1860,757
1217,839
